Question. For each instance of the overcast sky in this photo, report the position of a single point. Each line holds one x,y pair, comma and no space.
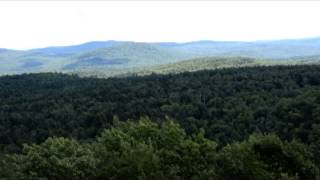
25,25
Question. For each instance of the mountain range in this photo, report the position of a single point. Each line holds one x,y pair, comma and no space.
113,56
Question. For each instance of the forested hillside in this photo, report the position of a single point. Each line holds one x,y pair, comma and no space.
112,56
230,105
197,64
106,55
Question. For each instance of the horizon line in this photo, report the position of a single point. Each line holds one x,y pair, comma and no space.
157,42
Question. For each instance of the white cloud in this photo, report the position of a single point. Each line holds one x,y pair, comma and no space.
45,23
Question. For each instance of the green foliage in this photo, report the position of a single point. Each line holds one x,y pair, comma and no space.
315,142
122,154
144,150
234,106
147,149
136,150
267,157
56,157
229,104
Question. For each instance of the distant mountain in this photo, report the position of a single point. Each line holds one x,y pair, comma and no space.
116,55
128,55
70,50
277,49
3,50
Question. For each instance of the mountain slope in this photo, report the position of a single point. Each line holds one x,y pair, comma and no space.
126,55
179,67
258,49
118,55
91,55
74,49
197,64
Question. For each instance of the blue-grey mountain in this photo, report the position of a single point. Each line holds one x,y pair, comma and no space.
119,55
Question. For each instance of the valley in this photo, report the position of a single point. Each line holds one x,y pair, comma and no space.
108,58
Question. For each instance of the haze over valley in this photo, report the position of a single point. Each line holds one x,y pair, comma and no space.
107,57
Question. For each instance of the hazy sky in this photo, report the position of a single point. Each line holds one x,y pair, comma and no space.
30,24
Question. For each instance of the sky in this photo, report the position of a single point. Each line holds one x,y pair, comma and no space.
35,24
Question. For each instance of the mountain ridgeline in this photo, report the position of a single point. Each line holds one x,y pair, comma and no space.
111,56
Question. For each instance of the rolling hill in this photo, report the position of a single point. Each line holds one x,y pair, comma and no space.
113,56
277,49
197,64
74,49
127,55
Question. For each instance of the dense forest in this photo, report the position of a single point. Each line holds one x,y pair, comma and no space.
244,122
147,150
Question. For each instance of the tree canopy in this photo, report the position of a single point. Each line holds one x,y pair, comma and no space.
258,122
144,149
